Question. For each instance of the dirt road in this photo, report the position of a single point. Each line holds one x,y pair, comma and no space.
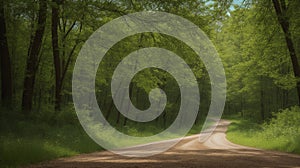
217,151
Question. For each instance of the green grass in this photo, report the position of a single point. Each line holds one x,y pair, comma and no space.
242,132
22,151
28,143
272,135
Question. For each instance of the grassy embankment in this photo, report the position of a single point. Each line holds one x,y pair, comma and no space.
27,141
31,141
281,133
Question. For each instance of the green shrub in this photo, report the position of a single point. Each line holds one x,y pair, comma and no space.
285,123
281,133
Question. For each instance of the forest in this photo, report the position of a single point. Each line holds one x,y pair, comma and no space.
258,42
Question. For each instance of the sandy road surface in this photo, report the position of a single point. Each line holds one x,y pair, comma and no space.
217,151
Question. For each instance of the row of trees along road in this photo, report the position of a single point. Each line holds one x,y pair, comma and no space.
258,42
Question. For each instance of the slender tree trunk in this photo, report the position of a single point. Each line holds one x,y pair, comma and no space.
55,50
6,78
165,119
285,98
32,58
60,64
109,110
130,98
262,107
281,11
119,114
39,100
242,107
118,118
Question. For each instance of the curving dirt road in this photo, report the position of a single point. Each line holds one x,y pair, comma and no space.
217,151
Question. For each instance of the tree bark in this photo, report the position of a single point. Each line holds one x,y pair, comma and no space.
6,74
55,50
262,97
281,11
32,58
130,98
60,65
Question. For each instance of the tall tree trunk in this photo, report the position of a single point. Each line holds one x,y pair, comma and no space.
281,11
60,64
32,58
55,49
109,110
262,107
6,79
130,98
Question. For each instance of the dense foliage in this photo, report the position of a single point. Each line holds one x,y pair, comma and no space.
280,133
258,41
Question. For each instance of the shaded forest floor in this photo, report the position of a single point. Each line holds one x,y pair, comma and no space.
28,141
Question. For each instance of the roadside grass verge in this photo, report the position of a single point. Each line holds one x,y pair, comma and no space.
281,133
52,142
24,142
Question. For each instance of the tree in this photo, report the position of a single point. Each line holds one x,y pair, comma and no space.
283,19
55,49
33,58
62,61
6,74
257,61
